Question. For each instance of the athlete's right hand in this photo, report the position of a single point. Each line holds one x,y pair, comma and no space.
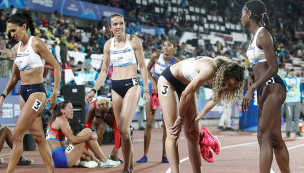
89,97
94,136
1,102
154,88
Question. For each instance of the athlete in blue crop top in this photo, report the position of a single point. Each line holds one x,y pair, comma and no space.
270,87
158,62
29,55
68,156
126,53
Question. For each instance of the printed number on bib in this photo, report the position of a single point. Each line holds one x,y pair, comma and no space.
135,81
37,105
270,81
165,89
69,148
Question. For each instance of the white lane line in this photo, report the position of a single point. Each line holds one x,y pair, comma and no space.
5,154
231,146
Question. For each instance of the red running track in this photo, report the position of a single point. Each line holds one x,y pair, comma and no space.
239,154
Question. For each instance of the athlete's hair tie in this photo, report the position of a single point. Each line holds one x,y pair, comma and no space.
263,23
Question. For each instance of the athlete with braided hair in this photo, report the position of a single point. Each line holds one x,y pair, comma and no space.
183,80
270,87
99,113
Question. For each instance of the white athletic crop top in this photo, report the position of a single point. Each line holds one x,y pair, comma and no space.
161,65
254,53
28,59
124,56
188,67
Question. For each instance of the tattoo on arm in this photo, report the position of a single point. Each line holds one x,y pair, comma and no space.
39,70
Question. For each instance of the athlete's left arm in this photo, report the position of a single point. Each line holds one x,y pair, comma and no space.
205,74
41,49
265,41
138,50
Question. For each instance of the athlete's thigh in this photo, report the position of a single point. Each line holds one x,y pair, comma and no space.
73,153
116,104
129,105
30,110
168,101
271,100
37,129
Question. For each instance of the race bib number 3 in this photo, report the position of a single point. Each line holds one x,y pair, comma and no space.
135,81
37,105
165,89
69,148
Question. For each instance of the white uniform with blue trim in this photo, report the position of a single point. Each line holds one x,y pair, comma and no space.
161,65
124,56
254,53
28,59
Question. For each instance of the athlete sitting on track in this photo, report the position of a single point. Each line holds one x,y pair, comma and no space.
59,129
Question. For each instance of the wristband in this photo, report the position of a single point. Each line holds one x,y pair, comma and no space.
3,95
146,90
94,90
90,137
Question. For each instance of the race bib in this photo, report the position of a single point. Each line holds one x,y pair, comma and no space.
37,105
165,89
69,148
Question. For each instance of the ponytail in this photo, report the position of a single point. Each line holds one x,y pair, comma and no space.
30,23
57,109
259,11
23,18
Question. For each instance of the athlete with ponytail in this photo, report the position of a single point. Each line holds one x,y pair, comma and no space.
99,113
126,53
68,156
271,90
29,55
159,62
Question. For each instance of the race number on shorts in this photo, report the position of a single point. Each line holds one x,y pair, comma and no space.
37,105
135,81
164,90
69,148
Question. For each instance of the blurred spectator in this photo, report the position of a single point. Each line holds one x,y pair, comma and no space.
61,18
88,73
102,23
25,10
61,51
78,66
183,4
1,12
70,64
49,33
42,21
13,10
72,44
2,25
88,55
97,49
54,17
4,51
60,30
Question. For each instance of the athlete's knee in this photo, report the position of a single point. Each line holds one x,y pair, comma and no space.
86,131
124,131
262,137
275,141
39,138
149,125
17,137
101,128
5,130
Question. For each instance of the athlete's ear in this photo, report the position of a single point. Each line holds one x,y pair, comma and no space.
24,26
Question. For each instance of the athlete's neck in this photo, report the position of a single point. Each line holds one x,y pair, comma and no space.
121,38
168,57
254,28
25,39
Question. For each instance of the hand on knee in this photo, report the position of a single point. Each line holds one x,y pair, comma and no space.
86,131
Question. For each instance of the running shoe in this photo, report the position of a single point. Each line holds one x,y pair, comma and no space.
206,154
25,161
90,164
1,160
110,157
142,160
165,159
154,101
211,141
109,164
